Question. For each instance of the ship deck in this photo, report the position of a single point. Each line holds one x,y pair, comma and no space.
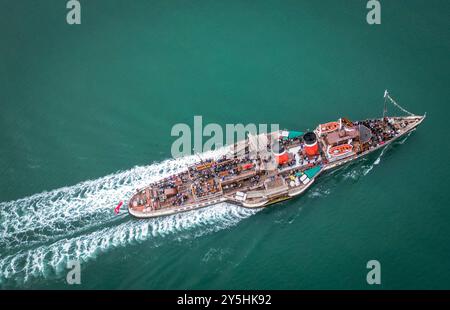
243,179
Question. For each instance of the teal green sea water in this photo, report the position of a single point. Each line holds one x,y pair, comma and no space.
86,116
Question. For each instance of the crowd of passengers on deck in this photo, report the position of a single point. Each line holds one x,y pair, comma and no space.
382,130
218,168
204,183
202,189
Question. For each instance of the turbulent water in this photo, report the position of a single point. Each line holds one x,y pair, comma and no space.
83,101
41,233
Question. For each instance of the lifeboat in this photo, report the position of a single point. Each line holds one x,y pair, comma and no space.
340,150
329,127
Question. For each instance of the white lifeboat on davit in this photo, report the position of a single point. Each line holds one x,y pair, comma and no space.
340,150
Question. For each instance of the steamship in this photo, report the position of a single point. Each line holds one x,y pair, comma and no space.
271,167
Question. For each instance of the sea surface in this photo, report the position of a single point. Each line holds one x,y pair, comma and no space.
86,113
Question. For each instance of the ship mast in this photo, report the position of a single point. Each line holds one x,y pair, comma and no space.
386,94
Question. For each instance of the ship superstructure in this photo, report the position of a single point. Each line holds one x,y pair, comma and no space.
267,168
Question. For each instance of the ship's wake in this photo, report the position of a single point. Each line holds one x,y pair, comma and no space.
48,216
40,233
49,261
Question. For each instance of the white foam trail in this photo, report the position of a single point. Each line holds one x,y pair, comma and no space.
352,174
70,210
376,162
319,191
406,138
50,260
